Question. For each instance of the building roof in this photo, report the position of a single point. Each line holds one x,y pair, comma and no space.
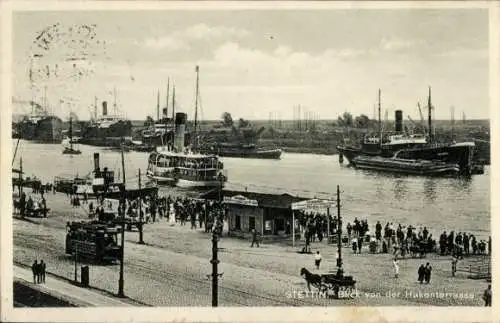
264,199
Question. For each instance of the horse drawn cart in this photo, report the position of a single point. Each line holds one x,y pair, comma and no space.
330,283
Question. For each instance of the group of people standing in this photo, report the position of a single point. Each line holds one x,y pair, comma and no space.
462,244
38,270
31,206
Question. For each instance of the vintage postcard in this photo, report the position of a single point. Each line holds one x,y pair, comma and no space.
249,161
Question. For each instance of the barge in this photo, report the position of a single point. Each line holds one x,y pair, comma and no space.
406,166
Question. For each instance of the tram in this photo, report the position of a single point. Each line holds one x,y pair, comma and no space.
94,240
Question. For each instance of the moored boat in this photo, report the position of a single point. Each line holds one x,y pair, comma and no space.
406,166
412,147
243,151
107,130
71,150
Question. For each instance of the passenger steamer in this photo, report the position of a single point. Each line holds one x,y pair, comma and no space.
183,168
107,130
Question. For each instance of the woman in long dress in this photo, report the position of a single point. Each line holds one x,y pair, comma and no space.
396,267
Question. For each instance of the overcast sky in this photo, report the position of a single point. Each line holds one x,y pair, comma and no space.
257,62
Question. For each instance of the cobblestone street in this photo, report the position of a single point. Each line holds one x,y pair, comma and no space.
171,268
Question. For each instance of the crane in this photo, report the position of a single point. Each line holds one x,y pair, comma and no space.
420,111
414,124
421,118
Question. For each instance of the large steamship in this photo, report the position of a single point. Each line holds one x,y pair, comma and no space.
411,147
107,130
40,126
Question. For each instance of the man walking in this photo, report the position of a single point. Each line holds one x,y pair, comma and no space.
421,273
428,271
454,262
487,296
396,267
34,269
317,259
42,271
255,238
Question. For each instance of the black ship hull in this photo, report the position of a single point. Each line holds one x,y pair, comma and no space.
406,166
158,139
482,152
46,130
49,130
460,154
260,153
107,137
131,193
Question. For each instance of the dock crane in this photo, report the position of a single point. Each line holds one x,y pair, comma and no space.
422,118
414,124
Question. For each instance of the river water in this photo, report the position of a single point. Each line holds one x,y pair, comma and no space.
438,203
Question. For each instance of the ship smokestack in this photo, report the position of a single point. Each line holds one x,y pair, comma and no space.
96,162
104,108
399,121
180,129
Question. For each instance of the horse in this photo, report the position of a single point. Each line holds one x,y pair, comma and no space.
311,279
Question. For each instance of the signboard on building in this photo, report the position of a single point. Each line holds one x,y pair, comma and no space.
240,200
267,225
314,204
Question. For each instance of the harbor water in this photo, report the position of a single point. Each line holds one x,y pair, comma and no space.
438,203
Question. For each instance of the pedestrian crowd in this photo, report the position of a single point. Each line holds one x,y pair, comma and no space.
206,214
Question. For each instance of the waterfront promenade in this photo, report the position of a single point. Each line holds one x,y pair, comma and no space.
171,268
65,291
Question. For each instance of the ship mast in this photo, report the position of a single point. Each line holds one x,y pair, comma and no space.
168,92
158,106
196,103
173,112
95,108
70,132
173,103
45,106
429,107
379,120
31,86
114,103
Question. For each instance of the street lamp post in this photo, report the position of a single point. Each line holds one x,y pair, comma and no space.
122,252
215,275
141,241
339,230
20,177
76,270
215,260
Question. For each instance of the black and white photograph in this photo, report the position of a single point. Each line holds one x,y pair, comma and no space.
224,156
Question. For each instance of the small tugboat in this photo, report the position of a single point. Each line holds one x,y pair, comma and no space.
406,166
